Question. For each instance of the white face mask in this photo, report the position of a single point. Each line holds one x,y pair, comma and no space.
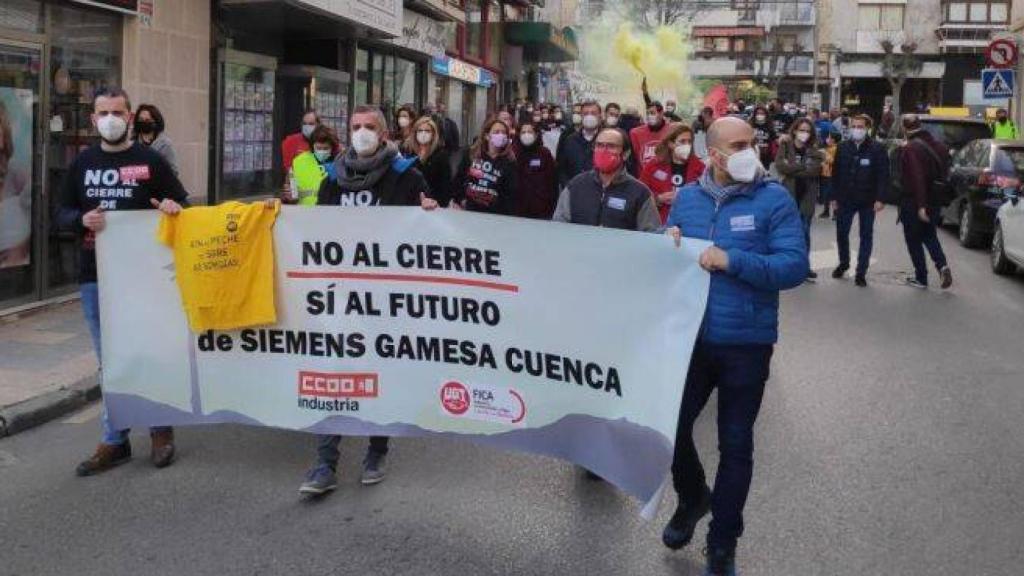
803,136
652,120
307,130
322,155
858,134
528,138
424,137
577,118
682,151
591,121
112,128
743,166
760,118
365,141
404,121
612,120
670,109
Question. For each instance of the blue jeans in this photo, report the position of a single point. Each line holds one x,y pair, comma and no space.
327,448
807,220
91,310
740,374
920,236
844,221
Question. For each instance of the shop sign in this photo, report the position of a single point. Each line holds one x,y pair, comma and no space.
128,6
462,71
423,34
381,15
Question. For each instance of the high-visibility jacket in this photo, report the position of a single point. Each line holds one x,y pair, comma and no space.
1004,131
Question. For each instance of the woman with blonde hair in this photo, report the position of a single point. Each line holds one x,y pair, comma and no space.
486,178
432,159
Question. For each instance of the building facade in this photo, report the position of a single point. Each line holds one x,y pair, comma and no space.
54,56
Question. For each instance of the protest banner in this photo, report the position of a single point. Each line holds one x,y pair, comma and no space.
549,338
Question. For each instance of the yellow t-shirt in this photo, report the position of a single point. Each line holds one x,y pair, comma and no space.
224,263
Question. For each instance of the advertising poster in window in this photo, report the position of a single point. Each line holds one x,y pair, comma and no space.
15,177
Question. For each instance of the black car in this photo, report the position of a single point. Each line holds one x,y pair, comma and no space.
979,174
954,132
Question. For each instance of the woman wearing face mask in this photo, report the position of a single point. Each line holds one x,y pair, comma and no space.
432,158
148,130
486,178
673,166
764,135
404,118
536,175
799,166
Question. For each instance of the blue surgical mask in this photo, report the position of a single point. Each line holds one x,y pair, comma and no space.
322,155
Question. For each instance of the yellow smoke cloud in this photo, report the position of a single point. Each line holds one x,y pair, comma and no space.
617,57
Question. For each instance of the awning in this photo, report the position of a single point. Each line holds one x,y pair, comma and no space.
719,31
314,19
542,42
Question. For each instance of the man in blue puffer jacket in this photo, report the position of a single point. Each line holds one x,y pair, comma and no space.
758,250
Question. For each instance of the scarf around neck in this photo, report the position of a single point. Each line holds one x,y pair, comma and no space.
355,173
722,193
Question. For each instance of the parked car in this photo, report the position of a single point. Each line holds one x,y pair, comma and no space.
979,174
1008,240
954,132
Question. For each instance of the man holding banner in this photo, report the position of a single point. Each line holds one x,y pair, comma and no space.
371,173
117,174
758,250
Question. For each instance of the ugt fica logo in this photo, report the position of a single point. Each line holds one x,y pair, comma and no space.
455,398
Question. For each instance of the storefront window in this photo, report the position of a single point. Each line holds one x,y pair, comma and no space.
85,57
405,81
248,146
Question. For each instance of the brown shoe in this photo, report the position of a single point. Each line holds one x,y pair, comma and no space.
162,453
106,457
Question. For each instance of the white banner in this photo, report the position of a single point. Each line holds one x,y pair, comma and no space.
557,339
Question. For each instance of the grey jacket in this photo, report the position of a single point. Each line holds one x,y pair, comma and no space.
164,147
626,204
791,169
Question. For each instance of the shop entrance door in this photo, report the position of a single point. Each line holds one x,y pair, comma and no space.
20,179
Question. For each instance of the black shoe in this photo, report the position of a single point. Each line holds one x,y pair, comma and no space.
840,271
861,281
812,275
721,562
947,277
679,530
824,214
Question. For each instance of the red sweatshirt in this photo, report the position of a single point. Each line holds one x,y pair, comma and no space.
662,177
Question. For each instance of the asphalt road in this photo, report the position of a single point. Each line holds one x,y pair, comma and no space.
891,441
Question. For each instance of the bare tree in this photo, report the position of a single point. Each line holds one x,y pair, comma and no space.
771,67
650,14
898,64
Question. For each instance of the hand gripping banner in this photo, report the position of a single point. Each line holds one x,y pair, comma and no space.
556,339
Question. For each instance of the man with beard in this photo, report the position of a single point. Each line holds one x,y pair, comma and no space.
116,174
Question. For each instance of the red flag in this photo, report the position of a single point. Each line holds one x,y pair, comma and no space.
718,99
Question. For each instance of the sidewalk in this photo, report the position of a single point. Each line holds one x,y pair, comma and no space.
47,366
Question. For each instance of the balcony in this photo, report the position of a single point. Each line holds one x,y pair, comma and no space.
965,39
791,14
799,65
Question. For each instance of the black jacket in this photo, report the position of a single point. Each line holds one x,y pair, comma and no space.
486,184
401,185
437,171
626,204
861,173
575,156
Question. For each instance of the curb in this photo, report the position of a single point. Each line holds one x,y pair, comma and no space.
46,407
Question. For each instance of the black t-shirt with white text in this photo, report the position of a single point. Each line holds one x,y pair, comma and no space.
124,180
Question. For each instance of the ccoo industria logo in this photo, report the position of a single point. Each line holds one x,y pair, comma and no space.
336,391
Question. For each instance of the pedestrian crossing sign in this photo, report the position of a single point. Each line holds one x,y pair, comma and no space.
997,82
